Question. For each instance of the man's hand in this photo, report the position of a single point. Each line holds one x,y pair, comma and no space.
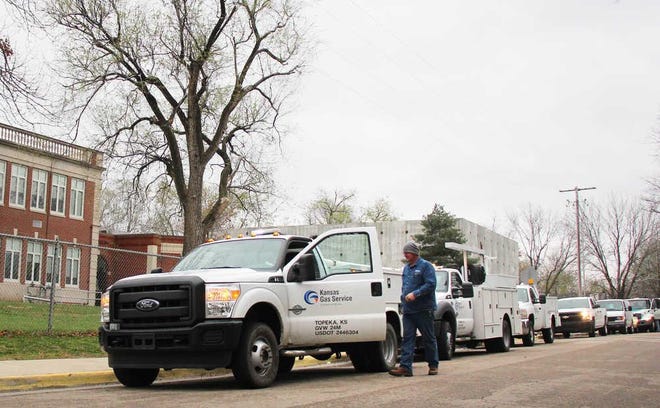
410,297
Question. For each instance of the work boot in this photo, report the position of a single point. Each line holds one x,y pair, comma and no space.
401,372
433,370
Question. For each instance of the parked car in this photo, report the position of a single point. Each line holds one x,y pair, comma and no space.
655,304
619,315
642,310
581,315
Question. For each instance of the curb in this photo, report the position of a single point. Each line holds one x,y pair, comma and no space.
90,378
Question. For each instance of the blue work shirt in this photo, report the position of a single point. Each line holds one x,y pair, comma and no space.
419,279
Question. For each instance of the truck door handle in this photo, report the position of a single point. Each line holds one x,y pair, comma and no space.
376,289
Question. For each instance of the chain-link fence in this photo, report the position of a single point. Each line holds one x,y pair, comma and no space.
52,285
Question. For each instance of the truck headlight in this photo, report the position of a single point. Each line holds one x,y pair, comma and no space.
105,307
585,315
220,300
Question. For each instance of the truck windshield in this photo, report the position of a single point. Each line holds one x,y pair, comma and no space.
523,296
640,304
573,303
611,305
251,253
442,281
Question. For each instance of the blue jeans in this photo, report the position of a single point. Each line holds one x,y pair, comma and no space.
422,321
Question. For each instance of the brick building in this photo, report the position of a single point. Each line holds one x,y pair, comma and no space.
115,262
49,189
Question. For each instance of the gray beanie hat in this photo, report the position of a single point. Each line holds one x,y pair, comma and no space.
411,248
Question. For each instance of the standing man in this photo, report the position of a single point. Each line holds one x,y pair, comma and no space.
418,298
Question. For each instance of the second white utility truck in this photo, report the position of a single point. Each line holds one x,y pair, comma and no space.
475,305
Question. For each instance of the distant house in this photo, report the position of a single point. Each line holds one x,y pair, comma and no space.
49,190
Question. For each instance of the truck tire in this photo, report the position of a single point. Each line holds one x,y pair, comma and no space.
286,365
603,331
136,377
359,357
383,354
549,334
445,339
592,332
529,339
567,335
500,344
256,361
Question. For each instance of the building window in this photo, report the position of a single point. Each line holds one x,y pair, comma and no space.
3,171
38,194
51,265
34,253
12,258
77,198
72,266
17,185
57,194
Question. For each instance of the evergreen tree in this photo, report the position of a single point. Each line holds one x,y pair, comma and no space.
439,227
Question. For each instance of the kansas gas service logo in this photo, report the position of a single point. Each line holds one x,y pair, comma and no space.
311,297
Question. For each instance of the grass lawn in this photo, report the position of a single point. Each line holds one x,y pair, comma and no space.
23,331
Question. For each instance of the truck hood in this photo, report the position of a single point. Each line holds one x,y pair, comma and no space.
615,313
220,275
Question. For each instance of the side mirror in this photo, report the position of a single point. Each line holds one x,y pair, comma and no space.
477,274
303,270
468,290
596,306
630,308
542,299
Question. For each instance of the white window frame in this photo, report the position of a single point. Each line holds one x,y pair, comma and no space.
18,185
3,173
72,277
13,249
57,192
34,256
77,203
38,190
50,255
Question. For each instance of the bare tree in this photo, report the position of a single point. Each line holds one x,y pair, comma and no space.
534,228
558,263
380,210
184,89
330,208
18,91
616,237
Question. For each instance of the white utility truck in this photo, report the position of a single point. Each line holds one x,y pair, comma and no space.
255,304
539,313
475,305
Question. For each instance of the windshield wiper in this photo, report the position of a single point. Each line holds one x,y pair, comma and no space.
224,267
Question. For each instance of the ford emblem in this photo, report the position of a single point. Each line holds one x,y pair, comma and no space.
147,305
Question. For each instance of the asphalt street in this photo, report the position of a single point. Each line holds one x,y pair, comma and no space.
612,371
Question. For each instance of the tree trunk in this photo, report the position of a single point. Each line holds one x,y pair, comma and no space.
193,231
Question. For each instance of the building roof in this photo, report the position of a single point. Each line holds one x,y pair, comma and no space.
24,139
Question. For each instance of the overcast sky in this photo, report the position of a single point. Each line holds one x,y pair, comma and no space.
481,106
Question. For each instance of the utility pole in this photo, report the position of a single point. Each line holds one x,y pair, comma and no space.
577,190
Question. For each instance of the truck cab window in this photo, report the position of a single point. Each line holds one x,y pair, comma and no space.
342,254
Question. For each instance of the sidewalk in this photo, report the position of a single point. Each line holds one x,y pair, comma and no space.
26,375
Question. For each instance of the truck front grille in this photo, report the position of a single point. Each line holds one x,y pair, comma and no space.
178,304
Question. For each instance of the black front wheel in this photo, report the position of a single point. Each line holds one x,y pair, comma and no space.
529,338
256,360
445,339
136,377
